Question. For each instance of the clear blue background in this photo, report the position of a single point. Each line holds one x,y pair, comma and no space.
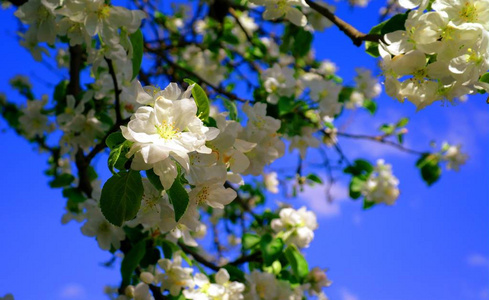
433,244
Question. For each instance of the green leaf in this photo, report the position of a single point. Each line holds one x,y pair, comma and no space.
484,78
250,240
114,139
302,43
231,107
62,180
370,105
131,261
179,198
367,204
200,98
271,248
356,186
117,156
299,265
154,179
395,23
121,197
74,195
402,122
387,128
168,248
430,169
137,42
359,167
314,178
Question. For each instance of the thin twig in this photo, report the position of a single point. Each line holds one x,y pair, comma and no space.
380,139
118,116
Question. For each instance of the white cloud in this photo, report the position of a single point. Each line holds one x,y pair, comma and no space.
347,295
72,291
477,260
316,198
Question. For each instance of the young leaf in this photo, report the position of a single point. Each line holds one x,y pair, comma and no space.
114,139
250,240
231,107
137,42
154,179
131,261
200,98
356,186
121,197
271,248
179,198
299,265
117,156
430,169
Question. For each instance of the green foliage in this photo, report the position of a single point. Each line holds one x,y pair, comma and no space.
297,40
131,261
62,180
154,179
121,197
271,248
179,198
429,166
300,267
250,240
360,170
137,42
200,98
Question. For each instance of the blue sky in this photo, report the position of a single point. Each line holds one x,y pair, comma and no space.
433,244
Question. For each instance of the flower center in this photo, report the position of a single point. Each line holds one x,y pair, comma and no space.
203,195
167,130
469,12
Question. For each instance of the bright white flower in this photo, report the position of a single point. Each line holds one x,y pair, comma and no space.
271,182
33,122
275,9
261,286
175,277
107,234
278,81
464,11
367,84
205,63
261,130
141,292
212,193
151,205
40,15
166,133
381,186
454,157
298,226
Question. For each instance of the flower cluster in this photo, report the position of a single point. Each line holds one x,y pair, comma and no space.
296,226
441,54
381,185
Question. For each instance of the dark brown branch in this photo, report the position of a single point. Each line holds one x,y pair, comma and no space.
198,257
354,34
118,116
380,139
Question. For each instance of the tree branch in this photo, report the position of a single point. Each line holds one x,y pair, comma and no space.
380,139
354,34
118,116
